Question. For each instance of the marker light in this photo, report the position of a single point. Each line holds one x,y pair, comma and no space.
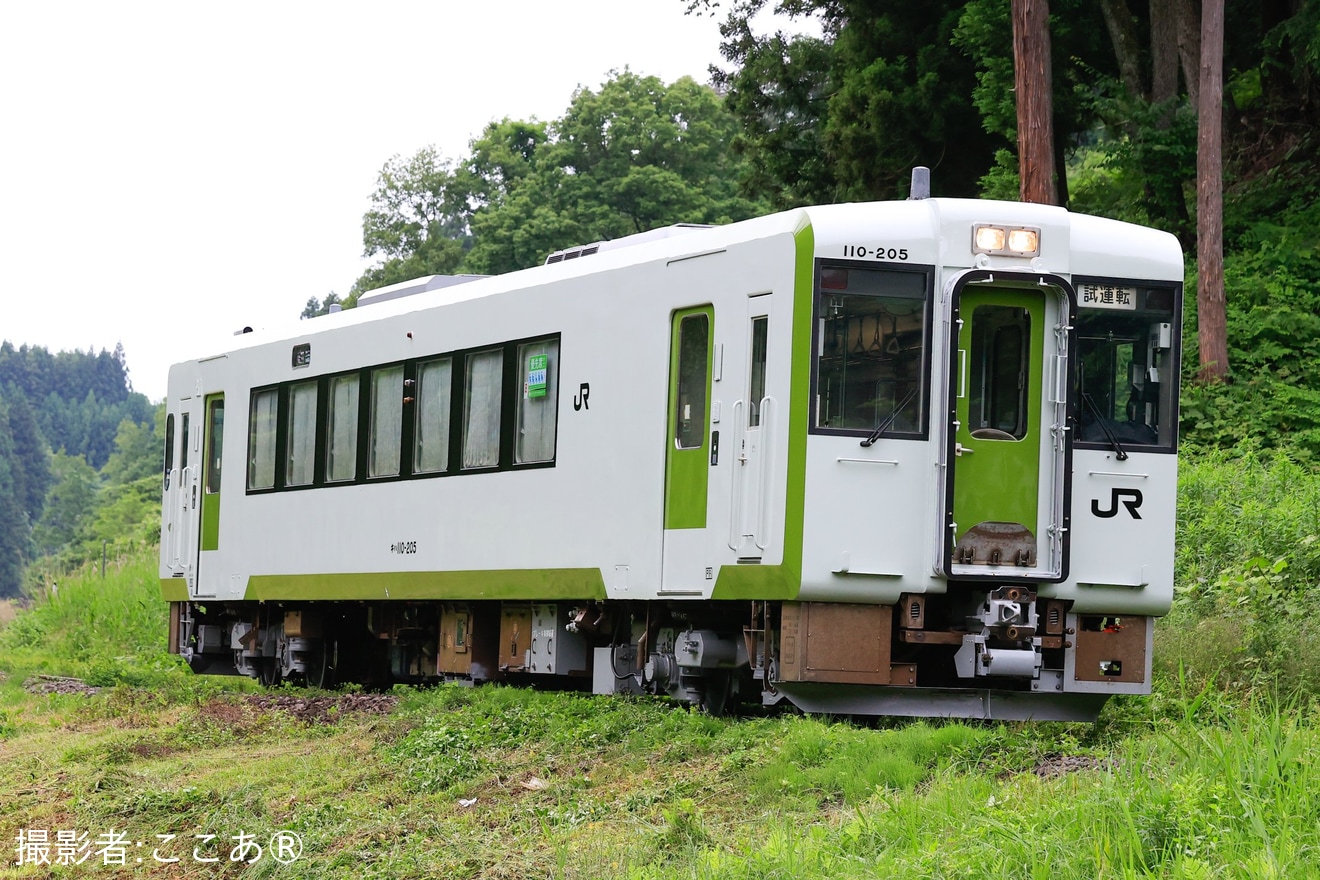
1020,241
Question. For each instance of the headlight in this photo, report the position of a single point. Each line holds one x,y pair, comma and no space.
1007,241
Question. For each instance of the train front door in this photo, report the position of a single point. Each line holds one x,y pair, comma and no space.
182,488
688,452
1008,446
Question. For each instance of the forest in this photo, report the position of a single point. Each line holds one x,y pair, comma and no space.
78,462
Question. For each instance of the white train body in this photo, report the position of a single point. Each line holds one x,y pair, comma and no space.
654,457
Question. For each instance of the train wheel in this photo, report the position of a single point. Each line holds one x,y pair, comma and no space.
717,698
321,663
269,672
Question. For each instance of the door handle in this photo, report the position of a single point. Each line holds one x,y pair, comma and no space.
959,449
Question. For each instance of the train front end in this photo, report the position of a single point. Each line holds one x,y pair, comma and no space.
991,469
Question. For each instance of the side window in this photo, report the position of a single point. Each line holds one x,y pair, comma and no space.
342,434
215,426
870,349
1127,377
481,409
386,434
261,439
539,362
434,392
693,355
300,465
169,447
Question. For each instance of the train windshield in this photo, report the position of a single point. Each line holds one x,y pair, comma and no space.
1127,371
871,341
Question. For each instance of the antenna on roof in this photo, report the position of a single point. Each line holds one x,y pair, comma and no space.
920,183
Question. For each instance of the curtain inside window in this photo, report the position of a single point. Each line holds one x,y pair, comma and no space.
302,435
341,454
261,440
433,397
386,421
481,409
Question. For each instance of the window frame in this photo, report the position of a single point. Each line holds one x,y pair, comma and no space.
1175,368
510,397
818,294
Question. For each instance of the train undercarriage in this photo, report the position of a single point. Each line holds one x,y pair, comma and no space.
1003,653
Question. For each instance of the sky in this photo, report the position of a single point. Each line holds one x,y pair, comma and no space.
171,172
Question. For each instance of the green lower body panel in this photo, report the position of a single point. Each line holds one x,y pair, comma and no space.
551,583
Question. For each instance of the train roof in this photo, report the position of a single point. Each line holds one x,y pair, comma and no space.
1093,243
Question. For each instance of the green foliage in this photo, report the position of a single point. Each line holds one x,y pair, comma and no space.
77,398
633,156
1247,566
82,622
1273,322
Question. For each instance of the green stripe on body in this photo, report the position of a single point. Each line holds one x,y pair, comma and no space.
784,581
549,583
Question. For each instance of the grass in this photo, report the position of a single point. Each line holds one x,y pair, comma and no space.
495,782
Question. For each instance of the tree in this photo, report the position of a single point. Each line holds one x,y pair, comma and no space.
70,505
15,528
418,222
634,155
1035,100
1210,197
31,458
315,308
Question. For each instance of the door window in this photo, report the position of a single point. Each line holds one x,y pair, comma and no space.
215,438
693,352
756,382
998,381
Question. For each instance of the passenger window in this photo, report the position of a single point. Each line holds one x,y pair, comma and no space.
300,465
386,422
1126,372
261,439
481,409
871,350
693,356
342,421
539,362
434,387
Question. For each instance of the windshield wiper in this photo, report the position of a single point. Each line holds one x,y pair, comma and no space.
884,426
1119,452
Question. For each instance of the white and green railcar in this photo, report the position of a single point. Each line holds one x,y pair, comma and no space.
911,458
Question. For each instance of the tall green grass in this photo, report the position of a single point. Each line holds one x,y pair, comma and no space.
1247,573
109,628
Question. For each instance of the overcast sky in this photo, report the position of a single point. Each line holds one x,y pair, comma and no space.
170,171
